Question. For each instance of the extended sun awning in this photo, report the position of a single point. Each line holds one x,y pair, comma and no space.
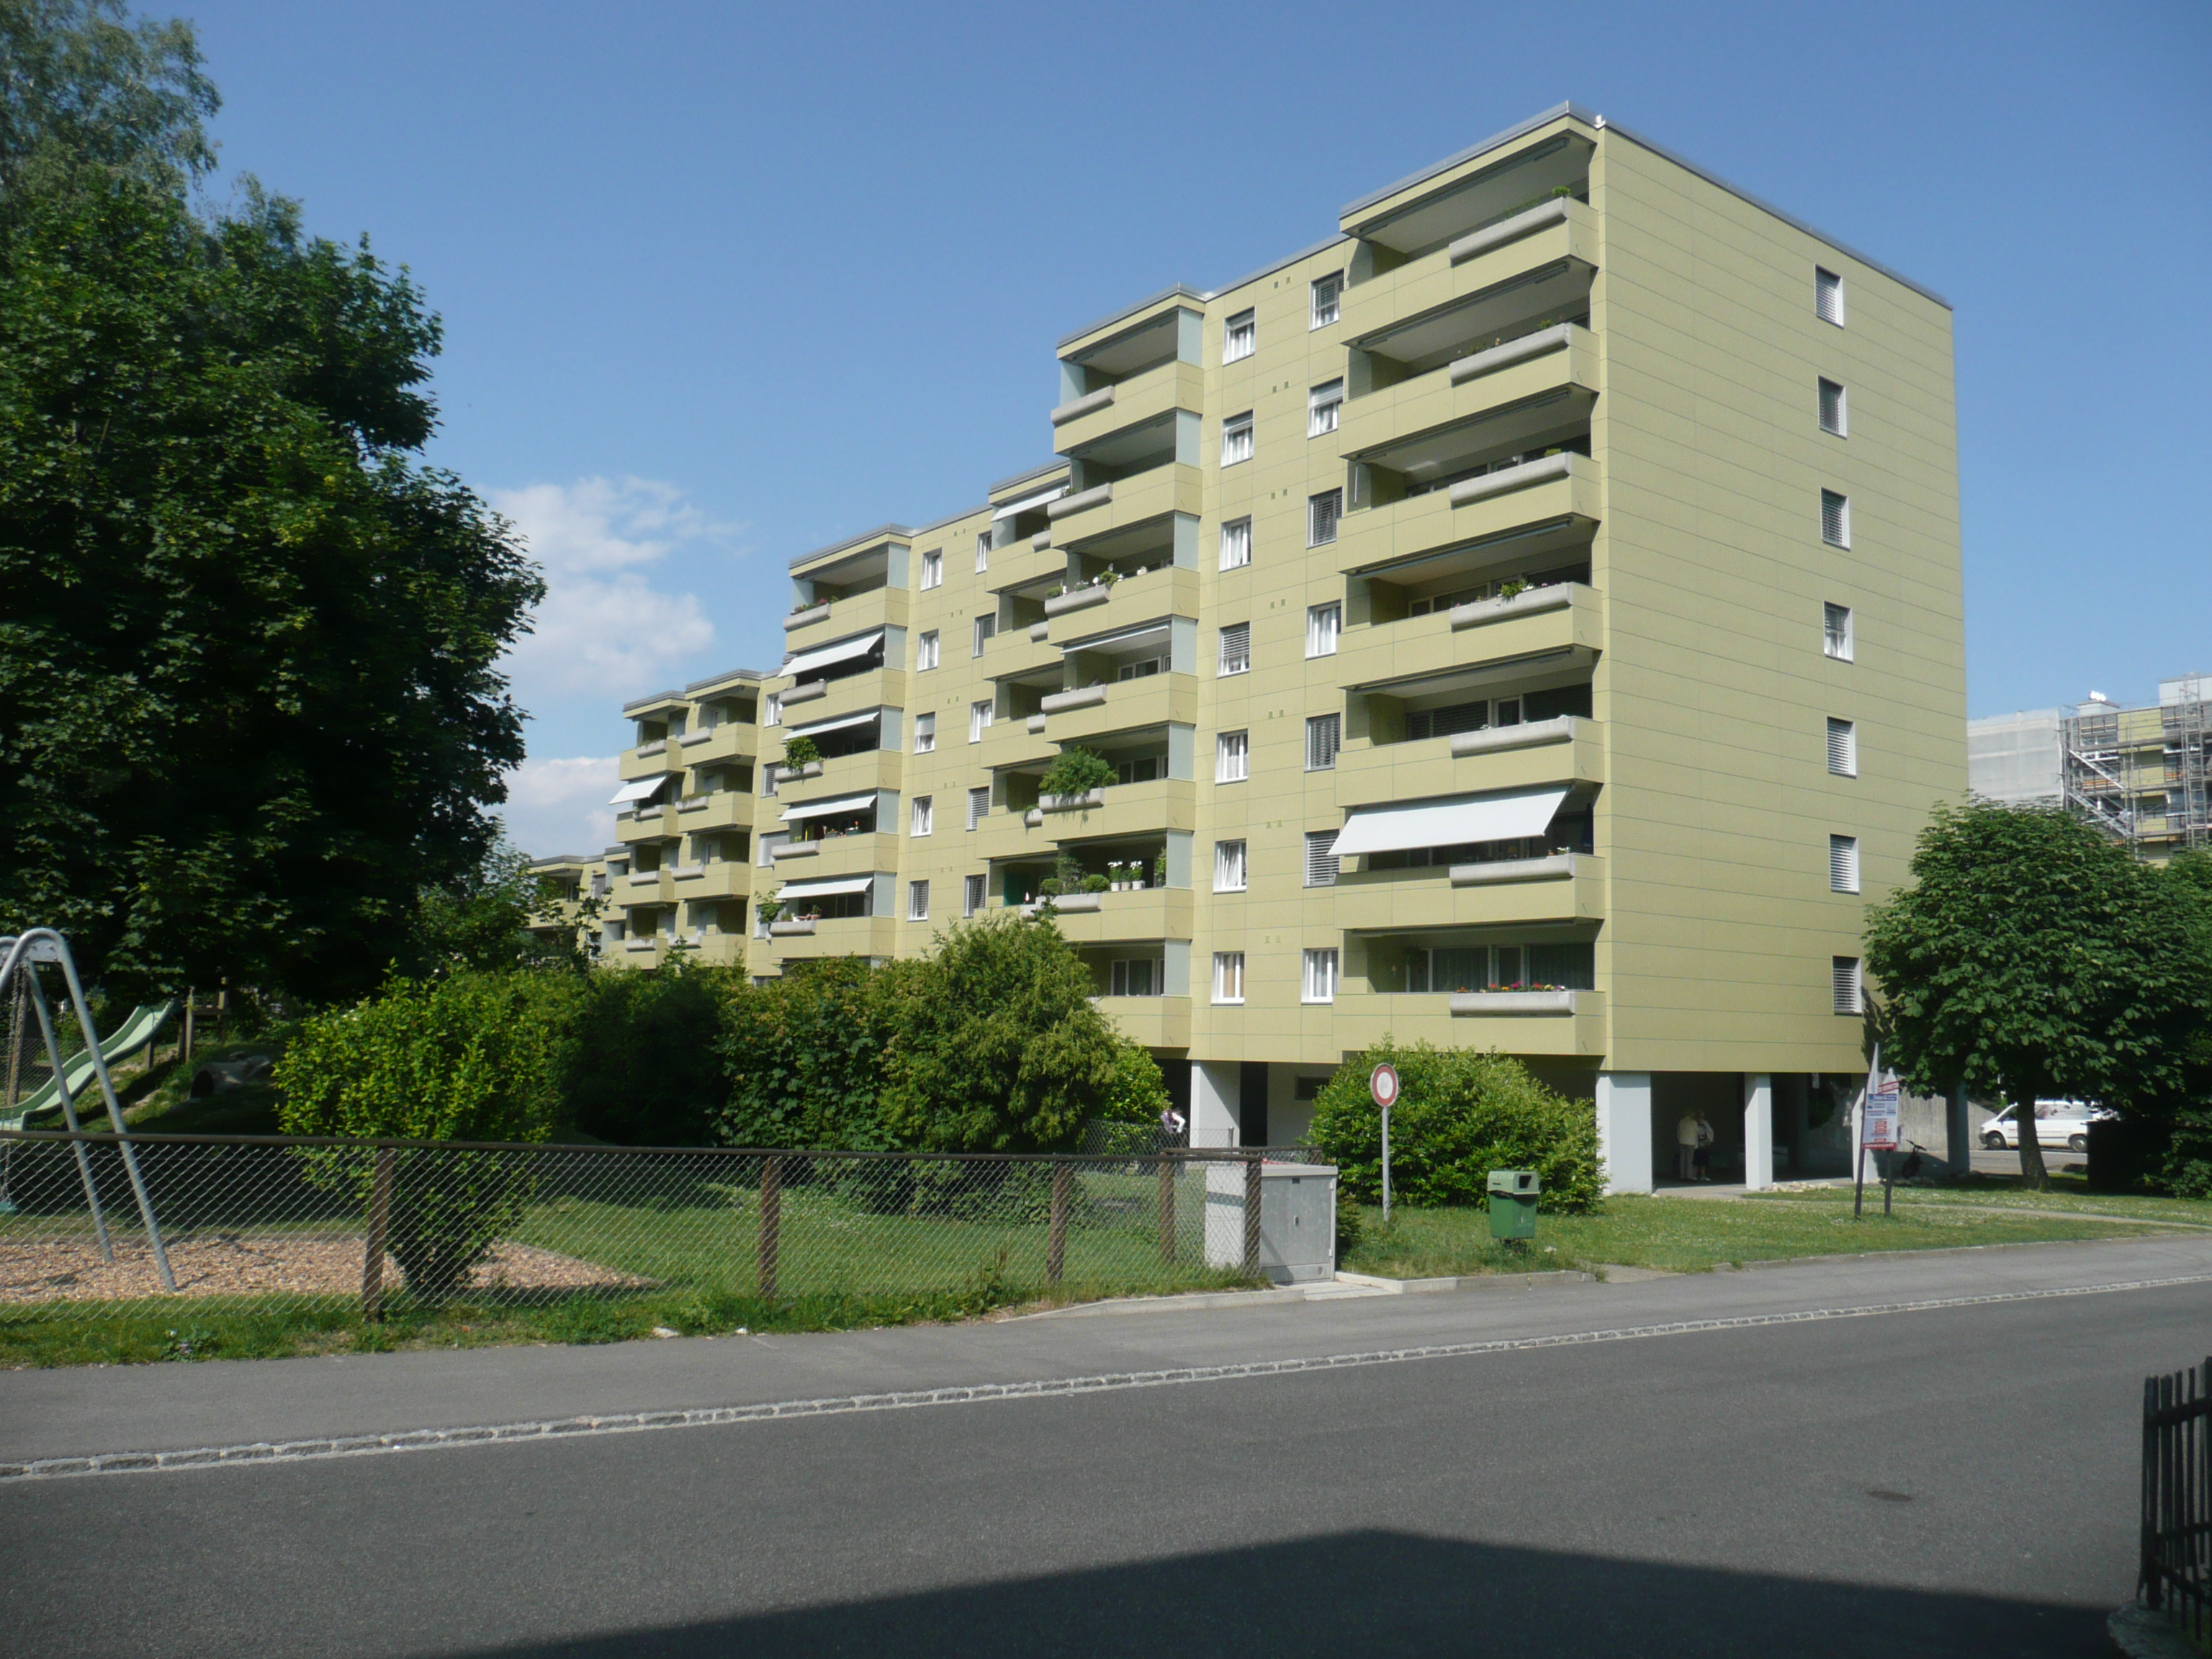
1029,503
842,652
837,725
1507,816
823,809
640,789
799,890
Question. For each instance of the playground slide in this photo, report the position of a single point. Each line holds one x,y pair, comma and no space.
135,1033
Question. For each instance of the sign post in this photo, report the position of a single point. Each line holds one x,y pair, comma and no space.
1382,1084
1877,1130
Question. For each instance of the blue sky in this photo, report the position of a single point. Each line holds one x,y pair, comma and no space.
725,282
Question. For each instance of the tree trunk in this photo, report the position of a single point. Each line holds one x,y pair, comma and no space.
2032,1173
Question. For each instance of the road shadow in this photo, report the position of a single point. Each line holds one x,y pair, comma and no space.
1375,1592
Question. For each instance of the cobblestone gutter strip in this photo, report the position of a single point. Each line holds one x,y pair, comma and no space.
292,1451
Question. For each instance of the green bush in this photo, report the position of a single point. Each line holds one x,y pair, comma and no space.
1138,1093
1460,1114
1076,771
645,1069
800,751
803,1056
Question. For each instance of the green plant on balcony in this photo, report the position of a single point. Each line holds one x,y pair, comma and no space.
1160,869
1076,772
800,751
1096,884
768,908
1513,589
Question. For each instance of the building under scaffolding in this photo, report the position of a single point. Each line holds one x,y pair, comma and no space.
2140,773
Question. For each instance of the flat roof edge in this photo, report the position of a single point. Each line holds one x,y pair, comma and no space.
1174,290
1056,465
672,695
882,532
753,674
1274,265
1518,129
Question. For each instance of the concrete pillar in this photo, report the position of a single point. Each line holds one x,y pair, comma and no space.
1624,1130
1215,1107
1757,1129
1959,1131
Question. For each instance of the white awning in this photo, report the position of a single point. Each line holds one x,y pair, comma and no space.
1029,503
640,789
1506,816
1151,633
837,725
799,890
823,809
829,654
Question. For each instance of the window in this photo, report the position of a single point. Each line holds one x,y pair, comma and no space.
971,895
923,816
767,780
917,901
1143,668
925,650
1835,519
764,848
1321,975
1236,438
1843,864
1323,404
1833,418
1145,977
1323,624
1229,866
933,569
979,804
772,710
1844,975
1835,631
1238,336
1842,748
1232,756
1322,511
1236,544
987,628
1828,297
925,733
1324,737
983,552
979,720
1229,976
1320,862
1236,649
1327,292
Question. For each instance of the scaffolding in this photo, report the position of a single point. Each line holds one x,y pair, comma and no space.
2140,775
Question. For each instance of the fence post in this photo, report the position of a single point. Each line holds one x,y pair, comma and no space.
379,1225
1167,1210
1055,1248
1252,1217
771,1222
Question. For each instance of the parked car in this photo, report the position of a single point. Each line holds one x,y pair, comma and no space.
2057,1123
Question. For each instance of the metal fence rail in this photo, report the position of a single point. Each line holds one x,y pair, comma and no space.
2176,1574
268,1223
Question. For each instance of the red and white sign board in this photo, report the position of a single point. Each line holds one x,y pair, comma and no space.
1877,1128
1382,1084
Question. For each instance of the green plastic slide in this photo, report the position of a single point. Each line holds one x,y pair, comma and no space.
145,1023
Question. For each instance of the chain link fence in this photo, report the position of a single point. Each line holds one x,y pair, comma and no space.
265,1222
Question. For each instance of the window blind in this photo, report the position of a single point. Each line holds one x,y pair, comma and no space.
1835,519
1321,861
1844,864
1236,648
1322,511
1324,736
1842,748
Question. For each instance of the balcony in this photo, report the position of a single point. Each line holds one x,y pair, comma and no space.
1568,751
1107,507
1026,565
1578,1029
1124,918
653,823
1567,887
723,878
1147,397
1123,810
732,740
1005,835
827,699
1560,231
835,855
1008,742
1149,1022
840,774
1552,489
1124,706
724,809
835,936
1564,621
1111,607
878,607
644,887
1563,359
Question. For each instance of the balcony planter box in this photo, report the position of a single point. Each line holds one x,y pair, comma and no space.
1531,734
1084,697
1542,341
1075,409
1077,598
1067,903
1032,818
1082,803
798,774
792,929
645,748
1040,632
688,739
808,618
805,693
1041,541
1097,496
794,849
637,945
1542,470
1478,242
645,878
1034,725
1556,867
688,872
1556,597
1513,1002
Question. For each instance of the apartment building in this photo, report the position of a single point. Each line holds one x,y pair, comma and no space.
1529,619
2140,773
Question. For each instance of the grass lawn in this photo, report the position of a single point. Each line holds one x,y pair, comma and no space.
1687,1234
2066,1195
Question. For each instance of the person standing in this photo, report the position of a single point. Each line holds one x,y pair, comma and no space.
1686,1147
1702,1164
1172,1124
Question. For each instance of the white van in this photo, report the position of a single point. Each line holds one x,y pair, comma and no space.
2057,1123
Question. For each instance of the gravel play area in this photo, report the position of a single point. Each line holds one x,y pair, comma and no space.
260,1264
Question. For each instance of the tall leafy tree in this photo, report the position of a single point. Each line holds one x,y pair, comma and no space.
80,85
2033,957
248,704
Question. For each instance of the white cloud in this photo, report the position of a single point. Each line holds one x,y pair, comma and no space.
560,804
604,628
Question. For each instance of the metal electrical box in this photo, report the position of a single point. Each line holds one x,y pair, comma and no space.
1298,1220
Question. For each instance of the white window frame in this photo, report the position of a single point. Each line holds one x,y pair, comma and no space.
1232,872
975,894
1239,660
979,804
1829,295
1839,404
917,901
1229,976
986,631
1240,336
925,650
1236,544
1334,501
1836,514
1844,864
1843,747
1324,628
1324,408
1325,302
982,552
979,720
1847,985
1320,866
1332,724
925,734
1840,643
1237,440
921,817
933,569
1232,756
772,709
1319,982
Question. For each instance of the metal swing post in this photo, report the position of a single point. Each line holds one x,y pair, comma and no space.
69,1112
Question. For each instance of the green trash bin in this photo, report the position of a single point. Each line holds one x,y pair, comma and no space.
1513,1196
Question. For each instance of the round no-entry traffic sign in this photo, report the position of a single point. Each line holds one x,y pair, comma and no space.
1382,1084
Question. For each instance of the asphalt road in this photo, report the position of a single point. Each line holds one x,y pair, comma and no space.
1841,1486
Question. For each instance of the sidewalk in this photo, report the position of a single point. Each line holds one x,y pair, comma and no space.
78,1413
